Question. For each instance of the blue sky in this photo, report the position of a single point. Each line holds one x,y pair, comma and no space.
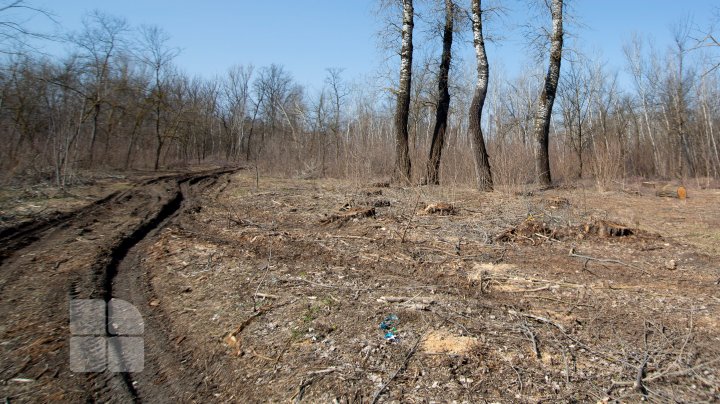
307,36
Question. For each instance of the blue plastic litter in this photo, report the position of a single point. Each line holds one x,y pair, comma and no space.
388,326
389,322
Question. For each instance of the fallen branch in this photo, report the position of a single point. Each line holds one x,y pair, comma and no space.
662,375
307,382
231,338
538,318
533,338
398,299
262,279
639,386
400,369
608,260
550,238
323,371
350,236
546,287
602,355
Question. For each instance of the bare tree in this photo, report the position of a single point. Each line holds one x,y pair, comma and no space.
707,95
272,88
402,156
546,100
679,84
236,93
320,123
575,95
519,100
644,87
15,36
710,39
443,104
158,56
101,39
483,173
338,91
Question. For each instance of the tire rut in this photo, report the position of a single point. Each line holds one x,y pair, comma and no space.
36,290
123,280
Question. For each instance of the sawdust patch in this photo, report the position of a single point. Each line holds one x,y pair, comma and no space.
442,342
710,321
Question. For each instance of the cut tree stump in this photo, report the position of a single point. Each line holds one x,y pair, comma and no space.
672,192
349,214
556,202
604,228
439,208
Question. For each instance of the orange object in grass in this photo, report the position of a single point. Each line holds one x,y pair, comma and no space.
681,193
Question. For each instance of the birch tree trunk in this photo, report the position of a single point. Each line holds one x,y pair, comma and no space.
483,174
443,105
547,97
402,156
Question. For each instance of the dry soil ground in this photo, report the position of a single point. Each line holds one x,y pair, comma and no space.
276,293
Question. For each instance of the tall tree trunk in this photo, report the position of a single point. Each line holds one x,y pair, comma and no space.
402,155
580,151
687,167
483,174
158,135
93,134
252,127
443,105
547,97
712,146
131,142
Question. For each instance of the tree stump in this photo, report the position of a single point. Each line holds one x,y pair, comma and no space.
603,228
669,191
439,208
349,214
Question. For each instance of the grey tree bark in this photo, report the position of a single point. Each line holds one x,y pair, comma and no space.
402,156
679,107
547,97
483,173
443,105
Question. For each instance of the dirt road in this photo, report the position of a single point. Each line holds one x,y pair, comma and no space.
91,253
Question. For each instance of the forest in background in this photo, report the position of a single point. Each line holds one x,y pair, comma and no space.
118,101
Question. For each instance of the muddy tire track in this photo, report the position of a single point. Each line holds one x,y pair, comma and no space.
92,254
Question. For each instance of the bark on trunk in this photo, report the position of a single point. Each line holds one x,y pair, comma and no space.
483,173
402,156
443,106
131,143
93,134
547,97
158,135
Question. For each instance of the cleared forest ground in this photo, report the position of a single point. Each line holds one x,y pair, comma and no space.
277,293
